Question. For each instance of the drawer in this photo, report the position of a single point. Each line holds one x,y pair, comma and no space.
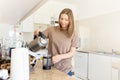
116,63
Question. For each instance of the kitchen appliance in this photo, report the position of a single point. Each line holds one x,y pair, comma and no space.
47,62
38,43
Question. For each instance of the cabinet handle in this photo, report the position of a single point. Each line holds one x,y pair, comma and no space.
118,74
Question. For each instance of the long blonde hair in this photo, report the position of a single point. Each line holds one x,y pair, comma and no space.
68,12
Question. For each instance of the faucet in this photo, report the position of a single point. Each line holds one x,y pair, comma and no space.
113,52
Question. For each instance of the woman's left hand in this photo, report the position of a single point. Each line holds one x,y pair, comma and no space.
56,58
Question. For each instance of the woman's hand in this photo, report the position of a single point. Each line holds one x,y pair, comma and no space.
36,32
56,58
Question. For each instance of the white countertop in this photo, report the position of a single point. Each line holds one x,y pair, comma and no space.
99,53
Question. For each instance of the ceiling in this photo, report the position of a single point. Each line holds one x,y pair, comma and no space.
69,1
13,11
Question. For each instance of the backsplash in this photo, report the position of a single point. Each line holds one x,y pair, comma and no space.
102,32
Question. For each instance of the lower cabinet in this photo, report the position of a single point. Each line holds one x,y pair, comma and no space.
96,66
99,67
81,65
115,74
115,68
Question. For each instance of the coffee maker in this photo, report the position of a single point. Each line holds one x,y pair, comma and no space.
38,43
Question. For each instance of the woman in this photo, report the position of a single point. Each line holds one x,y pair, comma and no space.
63,41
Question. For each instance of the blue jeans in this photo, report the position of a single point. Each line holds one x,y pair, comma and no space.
70,73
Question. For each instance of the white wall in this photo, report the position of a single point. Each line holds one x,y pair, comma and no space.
104,31
84,35
4,28
101,22
90,8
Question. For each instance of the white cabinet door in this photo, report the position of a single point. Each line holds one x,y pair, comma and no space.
80,65
99,67
115,68
27,25
115,74
42,27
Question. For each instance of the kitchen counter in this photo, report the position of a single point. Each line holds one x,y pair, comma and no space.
99,53
116,65
39,74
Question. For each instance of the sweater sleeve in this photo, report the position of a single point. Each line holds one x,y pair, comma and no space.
46,32
75,39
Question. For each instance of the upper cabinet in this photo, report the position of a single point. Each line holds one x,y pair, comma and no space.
27,24
51,10
46,14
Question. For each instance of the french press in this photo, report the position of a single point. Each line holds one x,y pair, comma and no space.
47,61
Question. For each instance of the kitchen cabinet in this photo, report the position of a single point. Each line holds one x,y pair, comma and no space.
40,26
81,65
27,24
115,74
115,68
99,67
48,12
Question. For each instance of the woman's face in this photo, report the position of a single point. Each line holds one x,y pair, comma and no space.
64,21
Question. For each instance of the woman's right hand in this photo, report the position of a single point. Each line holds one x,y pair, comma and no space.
36,32
56,58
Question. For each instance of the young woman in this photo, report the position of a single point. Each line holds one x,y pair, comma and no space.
63,41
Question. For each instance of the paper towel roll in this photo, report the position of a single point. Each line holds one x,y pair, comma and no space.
19,64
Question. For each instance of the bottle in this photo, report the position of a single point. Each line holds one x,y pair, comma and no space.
19,40
11,38
52,21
